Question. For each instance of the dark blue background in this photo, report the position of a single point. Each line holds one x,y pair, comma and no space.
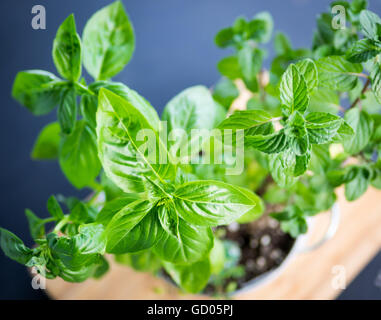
174,50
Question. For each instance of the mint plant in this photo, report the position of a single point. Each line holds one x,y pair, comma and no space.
159,195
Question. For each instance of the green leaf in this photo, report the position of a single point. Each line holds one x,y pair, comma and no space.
81,250
224,38
217,257
282,168
355,188
88,107
78,155
337,73
271,143
254,122
262,27
101,269
67,111
358,5
324,100
47,143
225,92
35,90
363,50
292,221
36,225
13,247
141,261
297,134
54,208
307,68
192,244
119,121
193,108
250,62
322,127
67,50
282,44
362,124
213,203
108,41
293,91
191,278
113,207
134,227
375,77
370,24
229,67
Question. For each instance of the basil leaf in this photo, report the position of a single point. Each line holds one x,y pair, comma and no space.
192,278
322,127
131,96
133,228
213,203
169,219
67,50
113,207
337,73
217,257
225,92
230,68
78,155
67,111
201,111
370,24
54,208
88,107
362,125
47,143
307,68
141,261
293,91
108,41
192,244
36,225
118,123
101,269
363,50
14,248
35,90
81,250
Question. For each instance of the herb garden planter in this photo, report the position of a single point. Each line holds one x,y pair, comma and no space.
213,193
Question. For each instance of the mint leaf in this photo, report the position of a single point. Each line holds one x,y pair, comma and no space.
362,125
250,62
230,68
224,38
108,42
337,73
271,143
375,77
225,92
363,50
322,127
293,91
67,50
307,68
370,24
355,188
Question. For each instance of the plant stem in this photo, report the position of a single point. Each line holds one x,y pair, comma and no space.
61,223
367,83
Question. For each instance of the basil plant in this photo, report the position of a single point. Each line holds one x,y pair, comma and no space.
312,124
